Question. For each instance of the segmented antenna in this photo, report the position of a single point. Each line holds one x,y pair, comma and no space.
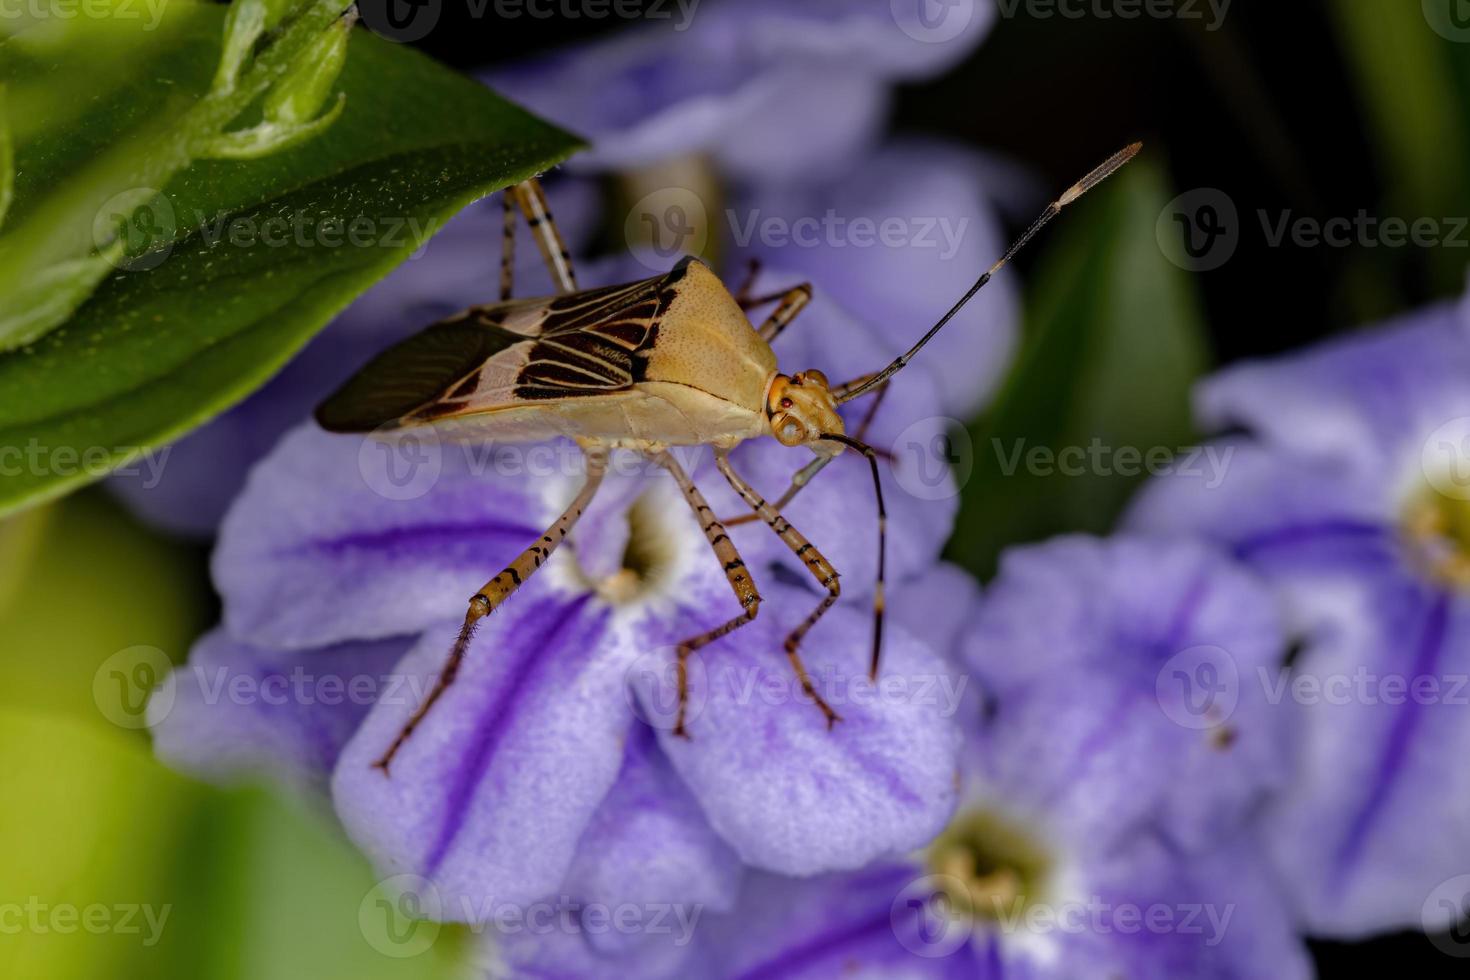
1097,176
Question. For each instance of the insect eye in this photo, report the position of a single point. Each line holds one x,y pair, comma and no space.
786,403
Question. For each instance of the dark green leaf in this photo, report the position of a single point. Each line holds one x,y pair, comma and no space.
1114,342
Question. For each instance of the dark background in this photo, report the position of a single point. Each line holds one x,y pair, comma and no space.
1270,108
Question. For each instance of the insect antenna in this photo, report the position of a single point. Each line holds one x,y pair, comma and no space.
1097,176
878,602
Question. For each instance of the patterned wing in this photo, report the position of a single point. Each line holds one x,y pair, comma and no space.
491,357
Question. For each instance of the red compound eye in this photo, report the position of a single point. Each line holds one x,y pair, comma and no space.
786,403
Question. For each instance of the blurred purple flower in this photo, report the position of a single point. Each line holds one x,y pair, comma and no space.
770,89
1349,493
332,551
1101,832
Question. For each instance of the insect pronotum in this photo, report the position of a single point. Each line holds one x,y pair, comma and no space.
668,361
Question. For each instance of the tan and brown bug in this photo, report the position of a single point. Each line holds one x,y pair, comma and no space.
666,361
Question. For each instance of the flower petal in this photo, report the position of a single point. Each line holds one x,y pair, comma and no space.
783,790
317,549
1368,400
238,710
491,795
718,81
1375,818
1144,654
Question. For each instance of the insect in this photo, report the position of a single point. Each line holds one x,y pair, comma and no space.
672,360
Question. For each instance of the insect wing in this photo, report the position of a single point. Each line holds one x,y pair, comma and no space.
506,355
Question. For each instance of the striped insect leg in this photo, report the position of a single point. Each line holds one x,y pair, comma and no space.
735,572
531,199
792,302
815,562
508,247
496,591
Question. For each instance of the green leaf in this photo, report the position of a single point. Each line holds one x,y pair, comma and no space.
220,303
1412,68
1114,342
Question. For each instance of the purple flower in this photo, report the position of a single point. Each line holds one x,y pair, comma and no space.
1103,831
1348,493
771,89
535,773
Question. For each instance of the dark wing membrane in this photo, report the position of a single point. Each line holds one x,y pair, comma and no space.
412,374
587,343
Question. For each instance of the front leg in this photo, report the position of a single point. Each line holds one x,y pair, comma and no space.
497,590
735,572
815,563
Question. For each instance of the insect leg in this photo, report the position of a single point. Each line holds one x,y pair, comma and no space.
793,300
497,590
531,199
508,248
735,571
818,565
747,288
